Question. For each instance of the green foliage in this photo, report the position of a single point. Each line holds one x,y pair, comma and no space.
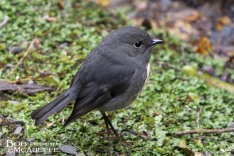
171,100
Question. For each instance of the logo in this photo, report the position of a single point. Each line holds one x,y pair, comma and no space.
31,147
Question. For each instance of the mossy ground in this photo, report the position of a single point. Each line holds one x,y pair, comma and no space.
171,100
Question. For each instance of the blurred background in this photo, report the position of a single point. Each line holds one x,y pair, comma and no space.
206,26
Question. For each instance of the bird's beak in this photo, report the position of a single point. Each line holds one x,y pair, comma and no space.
155,41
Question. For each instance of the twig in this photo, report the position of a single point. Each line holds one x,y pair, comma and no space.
169,65
198,117
21,60
11,123
4,22
203,131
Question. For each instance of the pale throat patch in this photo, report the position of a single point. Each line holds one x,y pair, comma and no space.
148,70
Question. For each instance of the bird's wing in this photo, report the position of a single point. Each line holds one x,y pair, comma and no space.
102,82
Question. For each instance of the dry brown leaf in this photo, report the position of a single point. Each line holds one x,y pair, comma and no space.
103,3
50,19
231,56
231,53
144,135
61,4
26,88
185,149
183,30
204,46
188,15
223,21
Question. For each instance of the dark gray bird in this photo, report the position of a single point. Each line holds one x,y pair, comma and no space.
110,78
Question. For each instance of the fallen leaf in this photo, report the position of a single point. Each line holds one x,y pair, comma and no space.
24,88
183,30
30,139
68,149
103,3
204,46
189,99
50,19
15,49
61,4
223,21
18,130
185,149
187,15
231,57
144,135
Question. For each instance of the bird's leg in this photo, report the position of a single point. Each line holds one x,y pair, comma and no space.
107,127
108,123
108,130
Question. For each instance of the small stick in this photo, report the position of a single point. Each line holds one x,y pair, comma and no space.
4,22
203,131
11,123
169,65
21,60
198,117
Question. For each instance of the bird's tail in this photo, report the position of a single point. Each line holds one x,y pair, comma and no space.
41,114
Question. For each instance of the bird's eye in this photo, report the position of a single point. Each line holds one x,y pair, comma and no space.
138,44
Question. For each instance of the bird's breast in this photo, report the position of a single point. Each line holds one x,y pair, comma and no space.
148,69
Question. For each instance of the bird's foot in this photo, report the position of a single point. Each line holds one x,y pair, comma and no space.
108,132
113,137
